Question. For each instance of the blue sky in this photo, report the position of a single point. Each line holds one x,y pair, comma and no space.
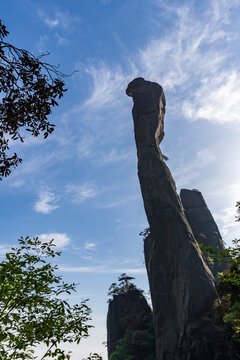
80,185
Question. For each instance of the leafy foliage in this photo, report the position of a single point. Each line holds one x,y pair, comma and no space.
124,285
94,356
238,210
135,344
32,309
145,233
29,88
228,312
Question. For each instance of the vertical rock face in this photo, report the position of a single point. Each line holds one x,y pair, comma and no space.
129,311
202,223
182,286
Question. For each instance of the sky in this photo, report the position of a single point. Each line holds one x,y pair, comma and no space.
80,186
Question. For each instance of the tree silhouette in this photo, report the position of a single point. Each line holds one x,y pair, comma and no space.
124,285
29,88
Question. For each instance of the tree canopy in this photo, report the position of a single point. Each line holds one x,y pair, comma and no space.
124,285
29,88
33,309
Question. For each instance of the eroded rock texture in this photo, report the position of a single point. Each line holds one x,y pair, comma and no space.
182,286
129,311
202,223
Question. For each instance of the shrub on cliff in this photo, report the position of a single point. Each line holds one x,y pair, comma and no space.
124,285
135,344
138,341
228,311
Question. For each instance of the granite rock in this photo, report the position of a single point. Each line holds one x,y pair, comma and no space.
202,223
182,286
128,311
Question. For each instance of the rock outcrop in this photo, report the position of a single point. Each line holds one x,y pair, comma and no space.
128,311
181,284
202,223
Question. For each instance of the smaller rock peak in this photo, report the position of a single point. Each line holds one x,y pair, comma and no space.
192,198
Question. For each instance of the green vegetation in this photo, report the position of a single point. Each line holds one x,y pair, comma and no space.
32,306
93,356
29,88
145,233
228,311
238,210
124,285
135,344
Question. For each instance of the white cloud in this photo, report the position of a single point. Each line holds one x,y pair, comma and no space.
114,156
35,164
187,53
51,22
88,258
119,201
227,220
59,19
108,86
227,217
102,269
46,202
130,261
90,246
217,99
4,249
79,193
17,183
185,171
191,55
42,43
60,240
204,157
61,40
220,9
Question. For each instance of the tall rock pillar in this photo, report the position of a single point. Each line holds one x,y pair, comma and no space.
202,223
182,286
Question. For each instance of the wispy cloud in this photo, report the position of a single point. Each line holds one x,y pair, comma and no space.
185,53
58,19
120,201
79,193
185,171
17,183
108,85
87,257
42,43
114,156
60,240
35,164
191,55
46,203
61,40
204,157
217,99
102,270
4,249
227,218
90,246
